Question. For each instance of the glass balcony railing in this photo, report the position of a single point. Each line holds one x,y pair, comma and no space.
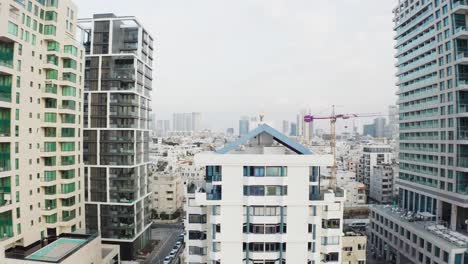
6,54
6,225
462,162
459,3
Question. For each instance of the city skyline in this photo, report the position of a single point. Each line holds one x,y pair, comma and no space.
285,55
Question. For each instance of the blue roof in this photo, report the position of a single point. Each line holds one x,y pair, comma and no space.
278,136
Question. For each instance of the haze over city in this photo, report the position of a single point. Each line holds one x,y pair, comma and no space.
234,132
266,56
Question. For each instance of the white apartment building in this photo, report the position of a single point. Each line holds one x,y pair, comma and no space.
355,191
41,165
262,203
381,187
372,155
167,194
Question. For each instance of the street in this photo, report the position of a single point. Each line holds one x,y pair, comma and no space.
167,235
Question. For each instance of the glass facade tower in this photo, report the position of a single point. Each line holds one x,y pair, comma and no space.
118,86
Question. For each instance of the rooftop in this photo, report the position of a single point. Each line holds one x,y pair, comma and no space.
51,249
264,139
424,222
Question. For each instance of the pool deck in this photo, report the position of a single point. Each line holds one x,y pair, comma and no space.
56,250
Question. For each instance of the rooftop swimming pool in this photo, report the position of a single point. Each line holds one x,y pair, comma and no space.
57,249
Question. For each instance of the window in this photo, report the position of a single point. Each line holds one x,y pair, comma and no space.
50,30
12,28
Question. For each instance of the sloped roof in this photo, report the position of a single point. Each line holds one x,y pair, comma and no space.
264,128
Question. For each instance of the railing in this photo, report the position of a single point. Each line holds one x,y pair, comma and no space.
459,3
213,196
462,162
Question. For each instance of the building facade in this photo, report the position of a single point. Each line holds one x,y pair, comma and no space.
372,155
117,102
41,88
244,126
167,194
381,186
429,225
256,206
354,248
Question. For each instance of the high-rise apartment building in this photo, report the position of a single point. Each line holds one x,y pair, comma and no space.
244,126
41,165
293,130
304,130
430,223
261,202
117,102
285,128
186,122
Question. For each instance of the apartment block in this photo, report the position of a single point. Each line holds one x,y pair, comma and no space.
429,225
117,105
167,194
354,247
372,155
41,165
262,202
381,187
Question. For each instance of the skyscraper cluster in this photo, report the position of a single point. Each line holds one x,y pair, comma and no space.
186,122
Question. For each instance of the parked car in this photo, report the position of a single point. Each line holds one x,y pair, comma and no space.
167,260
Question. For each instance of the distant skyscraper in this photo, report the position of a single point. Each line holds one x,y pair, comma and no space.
186,122
377,129
196,122
162,128
380,124
293,130
285,127
230,131
393,121
369,130
243,126
304,130
118,87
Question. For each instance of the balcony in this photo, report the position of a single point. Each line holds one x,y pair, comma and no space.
6,55
461,33
460,7
328,195
5,122
5,191
462,57
5,88
6,225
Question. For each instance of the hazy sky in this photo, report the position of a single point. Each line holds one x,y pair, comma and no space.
227,58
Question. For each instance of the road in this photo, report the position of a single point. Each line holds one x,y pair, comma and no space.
167,235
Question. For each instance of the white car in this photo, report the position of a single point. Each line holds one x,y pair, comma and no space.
167,260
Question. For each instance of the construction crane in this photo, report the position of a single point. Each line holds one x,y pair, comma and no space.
333,118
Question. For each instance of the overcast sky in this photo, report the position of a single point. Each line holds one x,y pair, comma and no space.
227,58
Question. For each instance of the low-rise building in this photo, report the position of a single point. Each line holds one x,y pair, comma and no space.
166,195
354,248
403,236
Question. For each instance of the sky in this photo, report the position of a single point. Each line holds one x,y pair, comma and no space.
230,58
